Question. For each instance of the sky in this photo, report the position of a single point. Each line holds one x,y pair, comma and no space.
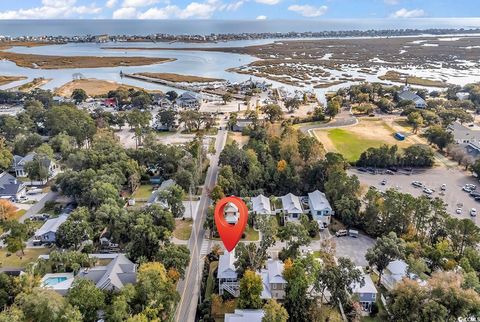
237,9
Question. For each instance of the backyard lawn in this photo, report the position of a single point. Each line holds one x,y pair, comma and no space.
18,214
251,234
31,254
143,192
183,229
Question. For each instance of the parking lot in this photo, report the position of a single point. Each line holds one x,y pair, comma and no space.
454,179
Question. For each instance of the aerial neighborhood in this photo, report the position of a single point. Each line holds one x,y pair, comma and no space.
359,180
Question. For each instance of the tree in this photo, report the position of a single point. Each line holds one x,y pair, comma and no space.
7,210
292,104
217,193
250,289
295,236
297,302
17,237
74,230
333,108
141,100
45,150
6,156
47,305
37,169
156,292
227,97
274,312
232,120
70,120
415,119
273,112
167,118
174,257
119,310
87,298
171,95
140,122
174,197
439,136
387,249
79,95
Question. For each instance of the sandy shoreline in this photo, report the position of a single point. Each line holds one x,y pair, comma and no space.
4,80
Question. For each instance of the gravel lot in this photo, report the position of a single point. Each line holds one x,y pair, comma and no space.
433,179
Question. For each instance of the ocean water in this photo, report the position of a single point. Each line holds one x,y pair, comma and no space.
17,28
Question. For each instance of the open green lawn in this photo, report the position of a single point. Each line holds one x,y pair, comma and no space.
352,145
31,254
143,192
251,234
183,229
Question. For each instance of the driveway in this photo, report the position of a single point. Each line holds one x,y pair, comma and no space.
39,205
354,248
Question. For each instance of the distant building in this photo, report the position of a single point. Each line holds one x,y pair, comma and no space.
155,196
261,205
241,125
10,187
291,207
245,316
320,207
189,100
468,137
48,232
463,96
110,102
407,95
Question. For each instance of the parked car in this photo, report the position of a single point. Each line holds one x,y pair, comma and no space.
36,242
458,211
473,212
389,172
353,233
443,187
384,182
471,186
467,189
417,184
427,191
341,233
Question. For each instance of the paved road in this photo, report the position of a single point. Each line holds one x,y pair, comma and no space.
38,206
344,118
189,286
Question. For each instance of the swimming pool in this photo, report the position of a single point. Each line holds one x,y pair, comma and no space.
54,280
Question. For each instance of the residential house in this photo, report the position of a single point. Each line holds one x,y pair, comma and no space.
19,163
189,100
241,125
291,207
394,273
119,272
155,197
274,284
227,275
112,277
407,95
245,316
463,96
320,207
47,233
367,294
261,205
10,187
468,137
231,213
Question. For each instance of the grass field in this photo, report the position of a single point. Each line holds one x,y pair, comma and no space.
19,214
183,229
352,141
31,254
143,192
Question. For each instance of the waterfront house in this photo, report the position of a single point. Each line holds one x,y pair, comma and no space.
320,207
20,162
189,100
291,207
261,205
10,187
274,284
367,294
407,95
47,233
227,275
245,316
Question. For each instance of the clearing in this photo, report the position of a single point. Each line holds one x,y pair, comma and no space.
368,133
183,229
15,261
93,87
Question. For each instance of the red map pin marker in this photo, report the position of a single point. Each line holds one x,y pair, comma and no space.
230,234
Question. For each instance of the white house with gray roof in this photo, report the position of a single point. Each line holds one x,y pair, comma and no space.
10,187
274,284
320,207
20,162
366,291
227,274
291,207
407,95
261,205
467,136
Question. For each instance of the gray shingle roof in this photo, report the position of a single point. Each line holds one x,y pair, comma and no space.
291,204
261,205
9,186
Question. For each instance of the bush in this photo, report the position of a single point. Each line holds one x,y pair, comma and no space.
374,310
